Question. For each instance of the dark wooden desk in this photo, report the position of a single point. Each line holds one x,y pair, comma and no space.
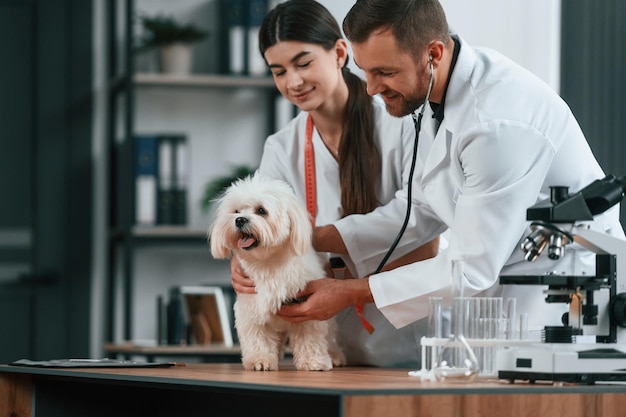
226,389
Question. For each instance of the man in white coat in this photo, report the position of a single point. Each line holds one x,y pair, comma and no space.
494,138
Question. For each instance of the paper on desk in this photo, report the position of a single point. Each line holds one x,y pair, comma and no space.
91,363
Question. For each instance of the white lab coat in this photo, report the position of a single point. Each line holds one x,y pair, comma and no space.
283,158
505,138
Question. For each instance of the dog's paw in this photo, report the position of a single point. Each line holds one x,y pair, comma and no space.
261,364
338,358
323,363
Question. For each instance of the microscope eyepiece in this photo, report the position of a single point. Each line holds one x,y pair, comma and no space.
603,194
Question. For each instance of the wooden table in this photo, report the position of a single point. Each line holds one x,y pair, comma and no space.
226,389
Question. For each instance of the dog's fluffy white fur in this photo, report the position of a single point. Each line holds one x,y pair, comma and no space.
261,222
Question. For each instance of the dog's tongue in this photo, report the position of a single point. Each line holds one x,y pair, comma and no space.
246,242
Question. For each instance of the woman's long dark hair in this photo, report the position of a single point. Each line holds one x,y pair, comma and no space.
359,159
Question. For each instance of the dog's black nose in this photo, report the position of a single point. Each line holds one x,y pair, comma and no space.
241,222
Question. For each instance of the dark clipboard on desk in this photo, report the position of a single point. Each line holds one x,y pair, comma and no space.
92,363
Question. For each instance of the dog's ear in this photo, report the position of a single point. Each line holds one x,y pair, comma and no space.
301,228
217,240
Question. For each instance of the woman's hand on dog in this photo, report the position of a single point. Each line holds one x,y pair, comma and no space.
240,281
326,297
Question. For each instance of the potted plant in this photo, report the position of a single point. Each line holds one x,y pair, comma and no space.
172,40
214,189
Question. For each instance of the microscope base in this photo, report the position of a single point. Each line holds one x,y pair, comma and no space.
579,363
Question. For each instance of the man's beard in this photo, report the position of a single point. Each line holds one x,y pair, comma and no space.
409,103
405,107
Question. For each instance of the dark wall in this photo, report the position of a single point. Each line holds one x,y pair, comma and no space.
593,72
46,186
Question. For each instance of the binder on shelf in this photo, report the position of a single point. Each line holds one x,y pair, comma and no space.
207,315
236,17
162,319
257,9
165,202
172,180
177,330
181,182
145,160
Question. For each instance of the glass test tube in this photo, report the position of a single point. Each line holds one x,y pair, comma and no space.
435,329
511,316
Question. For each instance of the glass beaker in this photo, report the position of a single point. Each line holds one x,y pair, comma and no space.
457,361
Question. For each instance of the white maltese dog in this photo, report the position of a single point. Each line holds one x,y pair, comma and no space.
261,222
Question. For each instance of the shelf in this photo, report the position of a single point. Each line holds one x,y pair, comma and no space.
196,80
130,348
167,232
163,234
209,353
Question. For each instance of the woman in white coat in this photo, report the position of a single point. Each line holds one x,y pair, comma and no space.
361,156
494,139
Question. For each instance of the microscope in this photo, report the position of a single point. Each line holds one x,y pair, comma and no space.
590,346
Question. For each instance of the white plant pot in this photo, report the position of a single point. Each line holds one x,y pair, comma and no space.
175,59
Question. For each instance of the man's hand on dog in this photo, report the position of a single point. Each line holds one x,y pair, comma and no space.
325,298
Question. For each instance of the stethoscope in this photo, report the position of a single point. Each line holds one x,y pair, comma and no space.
417,121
